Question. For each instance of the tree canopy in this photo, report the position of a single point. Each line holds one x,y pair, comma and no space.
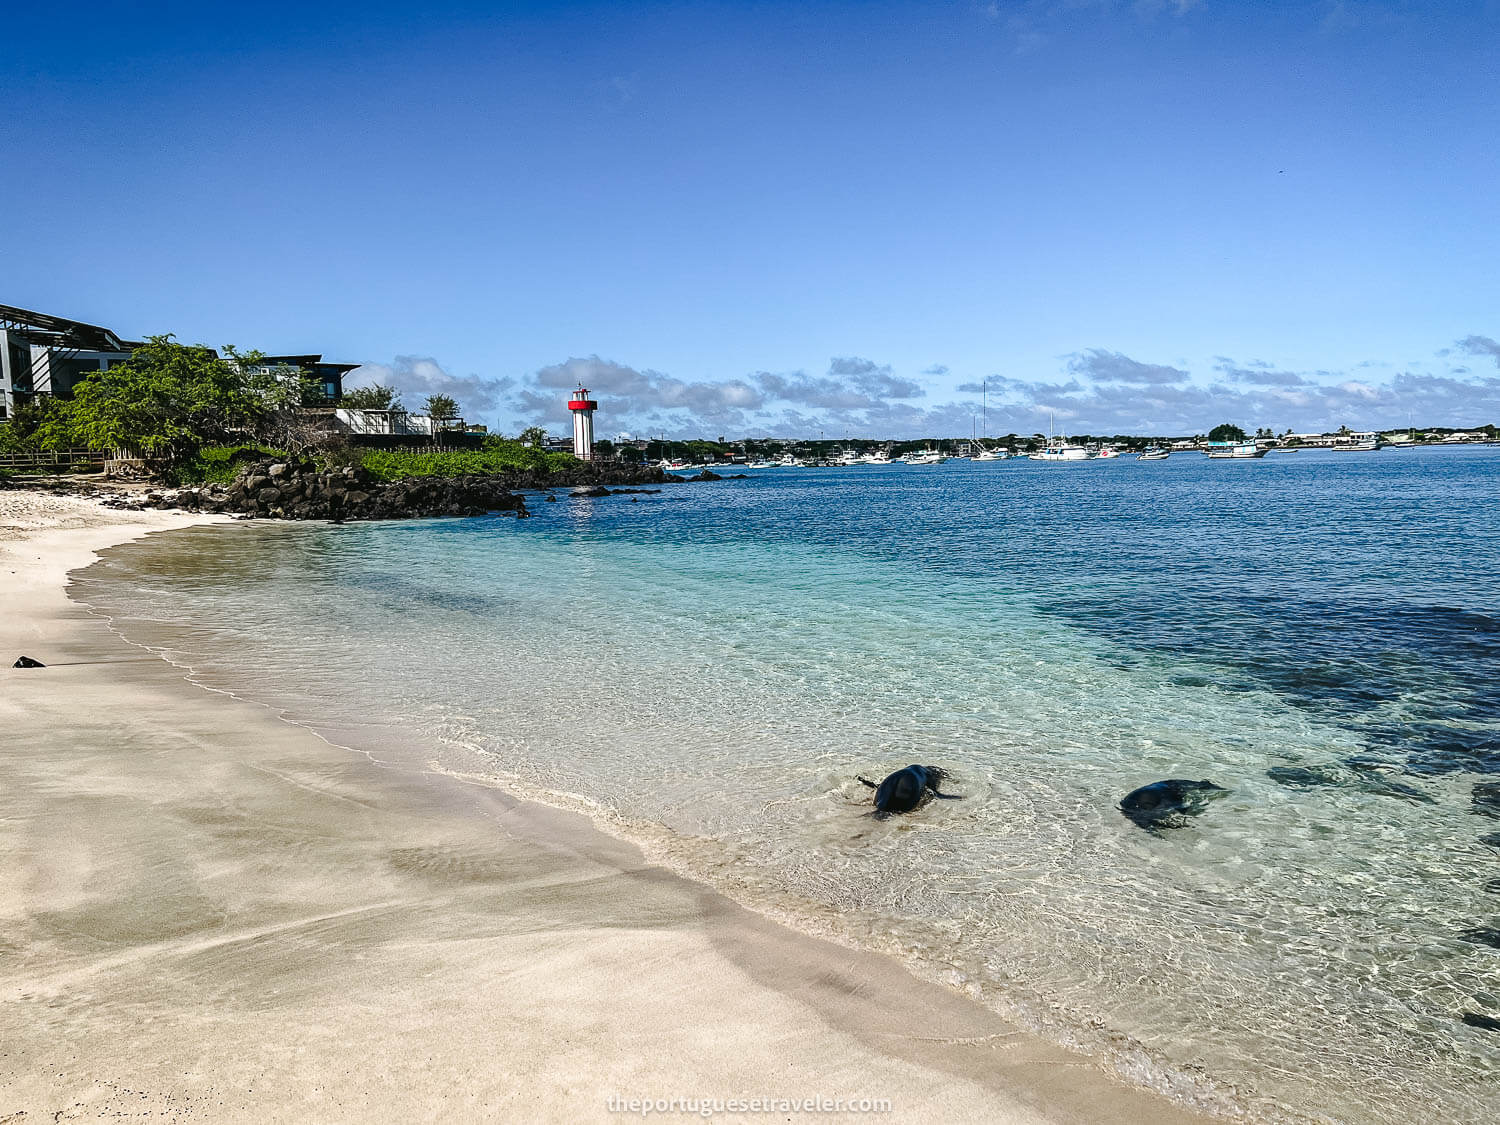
440,408
1226,431
377,396
169,399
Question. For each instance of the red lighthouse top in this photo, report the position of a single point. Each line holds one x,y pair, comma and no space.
581,400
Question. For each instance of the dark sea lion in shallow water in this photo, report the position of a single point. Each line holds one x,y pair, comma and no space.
27,662
1475,1019
905,789
1168,804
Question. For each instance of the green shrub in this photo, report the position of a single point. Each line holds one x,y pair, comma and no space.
497,456
218,464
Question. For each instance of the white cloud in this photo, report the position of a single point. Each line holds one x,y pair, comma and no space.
416,377
1097,391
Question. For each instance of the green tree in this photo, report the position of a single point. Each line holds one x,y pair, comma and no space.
167,401
25,431
534,436
440,408
1226,432
377,396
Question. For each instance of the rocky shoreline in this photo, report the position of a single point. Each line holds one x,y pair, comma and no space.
291,489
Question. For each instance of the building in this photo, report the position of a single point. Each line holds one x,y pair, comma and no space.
328,378
390,422
47,355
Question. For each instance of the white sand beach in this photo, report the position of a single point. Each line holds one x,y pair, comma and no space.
208,914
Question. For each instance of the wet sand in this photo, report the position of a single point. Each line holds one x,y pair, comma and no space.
207,913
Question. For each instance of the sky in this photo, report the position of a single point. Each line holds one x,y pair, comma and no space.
874,219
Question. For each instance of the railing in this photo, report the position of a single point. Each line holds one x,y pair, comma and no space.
57,461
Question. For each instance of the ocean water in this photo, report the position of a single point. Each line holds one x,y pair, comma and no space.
708,669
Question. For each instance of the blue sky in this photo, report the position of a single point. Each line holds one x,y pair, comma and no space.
747,218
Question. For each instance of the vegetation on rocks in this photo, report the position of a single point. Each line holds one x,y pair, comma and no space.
497,456
218,464
303,490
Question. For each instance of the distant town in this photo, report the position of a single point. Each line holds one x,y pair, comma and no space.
851,450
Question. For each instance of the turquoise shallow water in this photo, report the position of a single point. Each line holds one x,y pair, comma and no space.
707,670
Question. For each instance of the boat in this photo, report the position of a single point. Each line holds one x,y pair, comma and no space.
1060,451
985,453
926,457
1222,450
1154,453
1106,452
875,457
1364,443
1063,452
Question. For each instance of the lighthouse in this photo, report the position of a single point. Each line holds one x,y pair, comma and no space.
583,409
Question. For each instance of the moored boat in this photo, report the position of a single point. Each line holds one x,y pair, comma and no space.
1060,450
1220,450
926,457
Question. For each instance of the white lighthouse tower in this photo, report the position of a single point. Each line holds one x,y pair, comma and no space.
583,409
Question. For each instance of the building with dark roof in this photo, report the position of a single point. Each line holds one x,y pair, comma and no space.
47,355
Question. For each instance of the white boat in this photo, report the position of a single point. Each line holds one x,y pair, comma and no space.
787,461
1105,452
1221,450
1364,443
760,464
1062,453
926,457
1153,454
1060,450
875,457
985,453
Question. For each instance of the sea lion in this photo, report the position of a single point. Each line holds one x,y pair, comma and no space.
905,789
1168,804
27,662
1476,1019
